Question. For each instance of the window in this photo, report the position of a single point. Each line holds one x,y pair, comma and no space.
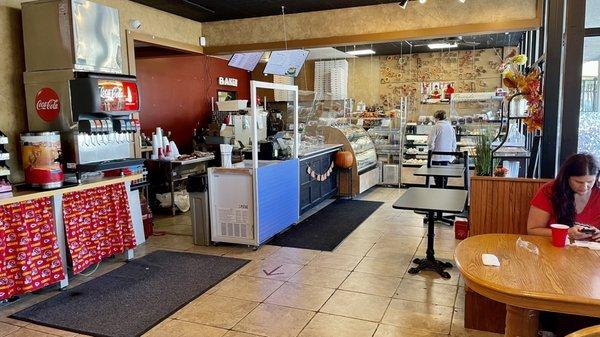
592,14
589,110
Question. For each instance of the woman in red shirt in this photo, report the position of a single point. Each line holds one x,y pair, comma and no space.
573,199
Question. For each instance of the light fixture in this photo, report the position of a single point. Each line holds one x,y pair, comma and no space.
403,3
361,52
442,45
422,1
462,1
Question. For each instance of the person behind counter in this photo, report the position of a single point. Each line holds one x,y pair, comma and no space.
442,138
573,199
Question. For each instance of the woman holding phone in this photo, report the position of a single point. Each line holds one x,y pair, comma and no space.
572,199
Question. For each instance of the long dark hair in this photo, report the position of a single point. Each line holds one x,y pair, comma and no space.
563,197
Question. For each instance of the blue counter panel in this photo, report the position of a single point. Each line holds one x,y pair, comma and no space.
278,198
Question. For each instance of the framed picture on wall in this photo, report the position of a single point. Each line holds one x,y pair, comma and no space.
224,95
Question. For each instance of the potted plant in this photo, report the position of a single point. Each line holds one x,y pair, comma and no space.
484,166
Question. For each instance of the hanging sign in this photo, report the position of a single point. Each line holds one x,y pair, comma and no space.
228,81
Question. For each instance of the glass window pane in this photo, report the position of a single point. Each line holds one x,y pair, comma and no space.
589,115
592,14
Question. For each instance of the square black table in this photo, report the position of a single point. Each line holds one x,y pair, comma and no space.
432,200
450,171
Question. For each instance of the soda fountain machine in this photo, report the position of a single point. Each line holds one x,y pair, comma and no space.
74,83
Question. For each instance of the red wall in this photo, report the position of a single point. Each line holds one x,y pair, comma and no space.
176,93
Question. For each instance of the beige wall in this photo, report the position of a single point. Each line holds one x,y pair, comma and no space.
363,79
12,103
375,23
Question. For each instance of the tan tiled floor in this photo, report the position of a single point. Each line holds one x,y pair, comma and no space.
360,289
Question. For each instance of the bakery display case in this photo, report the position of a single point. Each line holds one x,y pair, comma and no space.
364,173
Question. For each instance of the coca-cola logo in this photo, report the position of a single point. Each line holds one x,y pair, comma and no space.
47,104
113,93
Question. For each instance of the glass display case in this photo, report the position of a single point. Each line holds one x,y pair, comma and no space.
364,172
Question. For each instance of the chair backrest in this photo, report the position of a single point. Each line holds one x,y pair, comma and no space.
501,205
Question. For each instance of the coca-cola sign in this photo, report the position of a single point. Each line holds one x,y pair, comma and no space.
47,104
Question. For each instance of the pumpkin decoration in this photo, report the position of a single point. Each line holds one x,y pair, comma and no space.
344,159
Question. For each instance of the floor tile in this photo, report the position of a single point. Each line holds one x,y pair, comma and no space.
357,247
324,325
427,292
232,333
394,331
365,233
13,321
177,328
300,296
371,284
217,311
320,277
249,253
271,269
24,332
460,298
458,327
275,321
174,242
417,315
6,328
248,288
356,305
385,267
335,261
210,250
294,255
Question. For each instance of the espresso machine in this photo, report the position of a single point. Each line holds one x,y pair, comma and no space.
74,83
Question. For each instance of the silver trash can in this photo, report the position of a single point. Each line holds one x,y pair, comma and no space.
197,188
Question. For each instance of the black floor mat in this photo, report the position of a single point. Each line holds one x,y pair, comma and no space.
328,227
131,299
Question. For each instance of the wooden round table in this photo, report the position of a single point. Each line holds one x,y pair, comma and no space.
564,280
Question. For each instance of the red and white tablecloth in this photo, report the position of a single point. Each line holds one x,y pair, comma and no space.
29,254
97,224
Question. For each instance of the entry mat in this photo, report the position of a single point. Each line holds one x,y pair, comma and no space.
328,227
130,300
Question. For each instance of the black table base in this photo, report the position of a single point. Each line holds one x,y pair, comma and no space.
438,216
430,263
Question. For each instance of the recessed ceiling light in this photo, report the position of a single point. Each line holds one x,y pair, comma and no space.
361,52
462,1
442,45
422,1
403,3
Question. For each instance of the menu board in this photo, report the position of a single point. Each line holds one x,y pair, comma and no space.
286,62
246,61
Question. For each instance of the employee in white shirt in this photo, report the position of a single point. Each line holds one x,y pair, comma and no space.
442,138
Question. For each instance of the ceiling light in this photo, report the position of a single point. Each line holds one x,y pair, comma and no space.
422,1
403,3
462,1
361,52
442,45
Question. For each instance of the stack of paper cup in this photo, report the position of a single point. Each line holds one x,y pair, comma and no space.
226,155
155,146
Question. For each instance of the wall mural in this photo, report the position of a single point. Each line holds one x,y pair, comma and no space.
409,75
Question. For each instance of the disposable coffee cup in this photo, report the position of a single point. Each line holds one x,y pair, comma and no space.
559,234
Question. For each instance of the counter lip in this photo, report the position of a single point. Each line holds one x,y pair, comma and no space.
30,195
324,149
